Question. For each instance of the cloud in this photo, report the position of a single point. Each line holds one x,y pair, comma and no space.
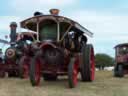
109,29
44,3
5,22
5,29
26,6
100,22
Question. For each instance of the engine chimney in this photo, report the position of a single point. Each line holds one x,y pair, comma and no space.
54,11
13,26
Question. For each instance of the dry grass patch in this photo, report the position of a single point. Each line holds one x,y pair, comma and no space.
104,85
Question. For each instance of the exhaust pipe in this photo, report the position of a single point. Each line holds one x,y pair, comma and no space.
13,26
54,11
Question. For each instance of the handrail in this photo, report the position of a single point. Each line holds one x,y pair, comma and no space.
65,33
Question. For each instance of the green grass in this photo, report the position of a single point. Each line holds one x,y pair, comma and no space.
104,85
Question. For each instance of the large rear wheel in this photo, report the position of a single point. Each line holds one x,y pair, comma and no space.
88,63
35,70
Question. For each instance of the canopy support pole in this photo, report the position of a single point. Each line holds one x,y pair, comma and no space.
37,26
58,31
70,26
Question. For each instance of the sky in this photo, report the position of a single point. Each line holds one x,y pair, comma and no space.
107,19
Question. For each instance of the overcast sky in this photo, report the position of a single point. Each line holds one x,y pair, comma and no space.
107,19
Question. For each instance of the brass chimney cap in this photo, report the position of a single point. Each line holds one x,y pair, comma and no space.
54,11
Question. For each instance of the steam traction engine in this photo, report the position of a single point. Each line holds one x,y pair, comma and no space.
61,49
16,54
121,64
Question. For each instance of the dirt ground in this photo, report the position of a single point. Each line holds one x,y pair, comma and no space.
104,85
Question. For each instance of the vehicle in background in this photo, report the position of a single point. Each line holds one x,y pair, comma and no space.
19,47
121,60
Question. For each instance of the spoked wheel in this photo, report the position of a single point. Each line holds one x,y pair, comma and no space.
73,73
92,73
88,63
35,70
24,67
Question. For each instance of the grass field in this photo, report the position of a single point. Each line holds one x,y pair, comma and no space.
104,85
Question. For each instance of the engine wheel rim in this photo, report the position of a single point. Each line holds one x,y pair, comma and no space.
24,67
37,73
75,73
25,70
92,64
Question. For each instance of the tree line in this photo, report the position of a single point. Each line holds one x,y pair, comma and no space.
103,60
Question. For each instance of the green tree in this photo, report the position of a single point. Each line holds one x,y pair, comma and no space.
103,60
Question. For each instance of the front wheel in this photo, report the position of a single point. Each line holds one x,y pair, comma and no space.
35,70
120,71
116,71
72,73
24,67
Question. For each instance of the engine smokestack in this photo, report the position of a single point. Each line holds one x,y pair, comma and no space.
13,26
54,11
